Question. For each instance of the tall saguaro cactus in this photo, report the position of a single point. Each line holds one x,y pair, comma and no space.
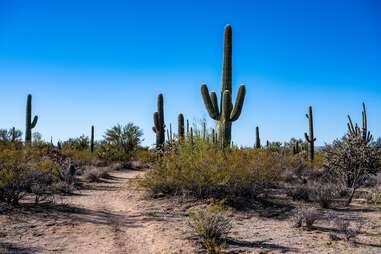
29,123
257,139
224,114
180,127
92,139
158,120
310,136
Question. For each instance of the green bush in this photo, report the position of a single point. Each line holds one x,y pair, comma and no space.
202,170
211,227
26,172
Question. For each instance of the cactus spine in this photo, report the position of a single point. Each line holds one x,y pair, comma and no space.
92,139
180,127
310,137
226,114
257,139
29,123
158,120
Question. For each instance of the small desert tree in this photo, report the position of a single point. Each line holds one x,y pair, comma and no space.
350,161
11,135
126,137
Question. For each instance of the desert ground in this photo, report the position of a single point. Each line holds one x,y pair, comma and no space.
115,216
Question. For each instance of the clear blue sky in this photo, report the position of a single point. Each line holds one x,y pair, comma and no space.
104,62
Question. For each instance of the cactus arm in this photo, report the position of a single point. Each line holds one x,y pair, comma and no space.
226,106
238,103
307,137
350,125
208,102
34,122
156,122
213,97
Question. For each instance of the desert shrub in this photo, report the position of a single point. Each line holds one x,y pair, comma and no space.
323,193
81,143
374,196
82,157
306,216
12,135
350,161
347,228
211,227
204,171
96,174
300,192
26,172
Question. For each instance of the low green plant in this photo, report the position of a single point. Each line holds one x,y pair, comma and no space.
203,170
211,228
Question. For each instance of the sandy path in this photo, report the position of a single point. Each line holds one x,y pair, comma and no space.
109,217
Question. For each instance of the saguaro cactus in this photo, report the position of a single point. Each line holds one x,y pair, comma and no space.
29,123
203,130
226,114
92,139
180,126
191,135
257,139
158,120
295,148
310,137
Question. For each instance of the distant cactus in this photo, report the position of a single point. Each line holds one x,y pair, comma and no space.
187,128
355,130
158,120
180,127
257,139
29,123
203,130
191,135
92,139
295,147
310,136
227,113
170,132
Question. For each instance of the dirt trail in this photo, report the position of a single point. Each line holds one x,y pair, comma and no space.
109,217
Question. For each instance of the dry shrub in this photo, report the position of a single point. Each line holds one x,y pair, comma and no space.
346,227
306,216
323,193
201,170
26,172
212,229
350,162
94,174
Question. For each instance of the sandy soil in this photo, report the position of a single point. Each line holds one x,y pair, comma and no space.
109,217
116,217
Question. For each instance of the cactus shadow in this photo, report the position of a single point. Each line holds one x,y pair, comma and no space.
6,247
263,245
